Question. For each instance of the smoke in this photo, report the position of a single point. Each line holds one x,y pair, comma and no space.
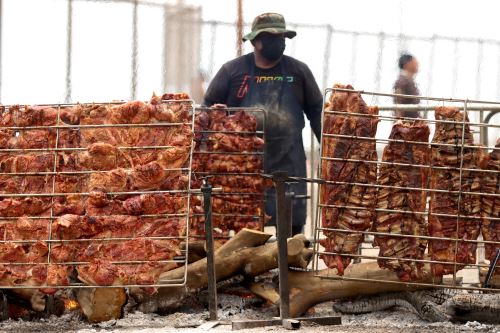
278,121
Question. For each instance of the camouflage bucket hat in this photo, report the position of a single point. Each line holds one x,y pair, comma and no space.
269,22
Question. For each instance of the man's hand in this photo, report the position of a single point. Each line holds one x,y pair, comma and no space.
219,106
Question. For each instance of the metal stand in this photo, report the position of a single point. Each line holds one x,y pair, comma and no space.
206,189
284,201
491,270
4,307
283,231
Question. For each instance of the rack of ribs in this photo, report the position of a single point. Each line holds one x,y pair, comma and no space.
452,173
401,210
349,166
490,205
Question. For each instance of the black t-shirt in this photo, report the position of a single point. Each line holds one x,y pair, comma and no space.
287,92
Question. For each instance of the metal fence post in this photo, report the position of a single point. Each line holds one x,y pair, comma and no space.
69,50
206,189
133,60
279,179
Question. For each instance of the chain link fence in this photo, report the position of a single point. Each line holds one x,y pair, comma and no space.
146,45
149,46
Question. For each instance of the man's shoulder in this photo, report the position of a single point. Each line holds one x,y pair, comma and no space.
296,63
237,62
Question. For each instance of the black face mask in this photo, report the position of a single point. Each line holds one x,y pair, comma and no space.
272,47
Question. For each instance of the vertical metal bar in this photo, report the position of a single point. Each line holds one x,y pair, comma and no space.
498,72
165,48
211,56
69,50
1,48
4,307
326,56
354,46
324,83
319,192
279,178
491,269
292,42
1,42
483,130
133,82
289,207
480,45
239,29
49,243
206,189
430,71
454,78
312,162
457,236
378,73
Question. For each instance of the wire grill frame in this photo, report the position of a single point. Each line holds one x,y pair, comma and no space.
466,106
260,115
179,260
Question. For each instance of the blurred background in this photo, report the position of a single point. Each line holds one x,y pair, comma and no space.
88,50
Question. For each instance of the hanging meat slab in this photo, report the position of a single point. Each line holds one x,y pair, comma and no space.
450,155
490,205
351,196
405,204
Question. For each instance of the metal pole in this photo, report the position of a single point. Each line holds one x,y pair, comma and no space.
69,50
378,73
454,79
354,48
289,196
491,270
326,55
498,72
312,164
480,44
206,189
239,29
4,307
211,56
430,71
133,83
1,30
279,179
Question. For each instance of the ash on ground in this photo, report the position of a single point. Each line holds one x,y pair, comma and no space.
235,307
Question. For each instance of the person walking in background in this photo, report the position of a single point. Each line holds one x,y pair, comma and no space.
405,85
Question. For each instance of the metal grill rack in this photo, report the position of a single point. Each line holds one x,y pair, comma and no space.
182,193
203,151
485,135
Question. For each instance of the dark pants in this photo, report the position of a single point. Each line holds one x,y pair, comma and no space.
298,207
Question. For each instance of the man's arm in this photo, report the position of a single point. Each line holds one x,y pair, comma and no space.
218,89
313,102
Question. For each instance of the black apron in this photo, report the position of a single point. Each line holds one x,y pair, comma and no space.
283,133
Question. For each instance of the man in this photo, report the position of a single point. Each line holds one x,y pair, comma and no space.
405,85
286,89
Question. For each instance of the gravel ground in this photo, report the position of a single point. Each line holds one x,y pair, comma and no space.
235,308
